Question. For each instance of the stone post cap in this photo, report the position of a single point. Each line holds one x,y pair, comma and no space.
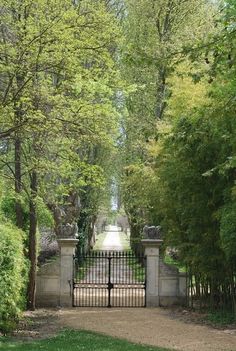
67,242
151,242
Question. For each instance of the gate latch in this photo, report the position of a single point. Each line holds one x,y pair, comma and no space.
110,286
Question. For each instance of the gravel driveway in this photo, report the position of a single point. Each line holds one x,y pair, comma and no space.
149,326
112,240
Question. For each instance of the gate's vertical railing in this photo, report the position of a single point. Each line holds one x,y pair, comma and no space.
109,285
113,279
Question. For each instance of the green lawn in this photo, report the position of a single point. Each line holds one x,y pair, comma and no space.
99,241
137,269
124,241
77,341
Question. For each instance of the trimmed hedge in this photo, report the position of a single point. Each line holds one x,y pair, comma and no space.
13,276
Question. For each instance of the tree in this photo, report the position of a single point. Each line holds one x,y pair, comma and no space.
58,83
154,58
195,175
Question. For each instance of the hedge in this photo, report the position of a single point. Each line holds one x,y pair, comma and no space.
13,276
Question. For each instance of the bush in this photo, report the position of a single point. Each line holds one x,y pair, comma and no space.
7,208
13,276
221,317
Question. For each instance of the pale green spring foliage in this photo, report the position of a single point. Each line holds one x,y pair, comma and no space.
13,275
59,82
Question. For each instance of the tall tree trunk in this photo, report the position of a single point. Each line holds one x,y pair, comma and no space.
18,185
18,112
32,242
161,93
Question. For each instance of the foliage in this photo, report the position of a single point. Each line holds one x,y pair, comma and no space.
99,241
13,275
191,221
45,218
179,144
8,209
228,230
137,266
59,80
221,318
155,63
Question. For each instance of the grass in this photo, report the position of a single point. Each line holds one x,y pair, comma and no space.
70,340
221,318
137,269
124,241
99,241
83,268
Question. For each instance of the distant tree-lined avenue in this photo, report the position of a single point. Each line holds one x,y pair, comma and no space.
125,99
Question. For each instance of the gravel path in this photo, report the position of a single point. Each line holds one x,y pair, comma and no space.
112,240
149,326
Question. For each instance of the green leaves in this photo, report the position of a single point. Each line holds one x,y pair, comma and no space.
180,132
61,78
13,273
228,230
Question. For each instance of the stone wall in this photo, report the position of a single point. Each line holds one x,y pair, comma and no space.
48,284
172,285
54,282
165,286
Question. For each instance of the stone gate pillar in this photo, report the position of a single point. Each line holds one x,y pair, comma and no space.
67,250
152,247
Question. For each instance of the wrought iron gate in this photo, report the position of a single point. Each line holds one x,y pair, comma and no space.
109,279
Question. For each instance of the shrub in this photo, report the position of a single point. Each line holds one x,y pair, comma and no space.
7,208
13,275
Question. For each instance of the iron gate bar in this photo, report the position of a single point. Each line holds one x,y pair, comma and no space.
109,278
109,284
